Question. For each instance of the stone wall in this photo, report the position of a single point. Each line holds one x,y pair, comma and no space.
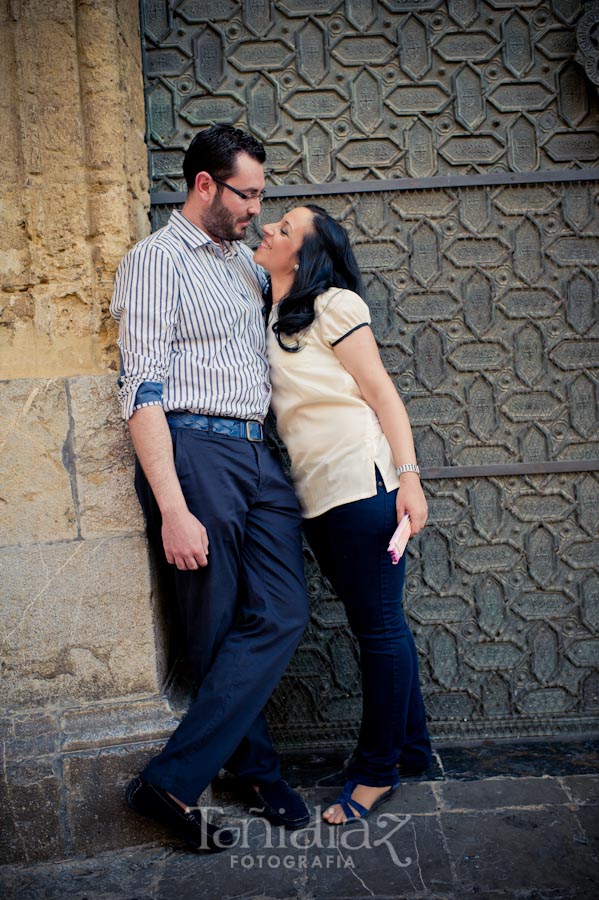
80,636
74,175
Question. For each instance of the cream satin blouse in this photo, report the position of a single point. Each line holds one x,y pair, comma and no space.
333,436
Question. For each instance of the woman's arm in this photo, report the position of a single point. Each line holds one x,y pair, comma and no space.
359,354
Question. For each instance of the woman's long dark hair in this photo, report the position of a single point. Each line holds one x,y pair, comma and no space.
326,260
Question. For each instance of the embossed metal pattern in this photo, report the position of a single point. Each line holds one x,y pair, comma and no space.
376,89
487,320
484,302
587,37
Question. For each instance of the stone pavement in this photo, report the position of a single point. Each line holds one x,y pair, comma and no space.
496,820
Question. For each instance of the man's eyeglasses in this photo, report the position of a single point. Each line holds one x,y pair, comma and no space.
250,195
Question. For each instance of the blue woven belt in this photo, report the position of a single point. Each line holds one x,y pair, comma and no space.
239,428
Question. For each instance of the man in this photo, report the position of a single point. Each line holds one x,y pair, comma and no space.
195,392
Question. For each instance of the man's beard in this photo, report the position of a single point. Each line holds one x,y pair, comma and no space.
220,222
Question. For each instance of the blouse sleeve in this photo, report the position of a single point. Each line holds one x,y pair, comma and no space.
342,314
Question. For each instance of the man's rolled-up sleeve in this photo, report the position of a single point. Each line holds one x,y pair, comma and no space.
145,304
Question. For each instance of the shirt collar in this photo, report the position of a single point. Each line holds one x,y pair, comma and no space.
194,237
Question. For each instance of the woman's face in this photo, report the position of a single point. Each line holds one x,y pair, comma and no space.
278,252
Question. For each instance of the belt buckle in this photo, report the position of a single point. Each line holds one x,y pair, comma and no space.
248,431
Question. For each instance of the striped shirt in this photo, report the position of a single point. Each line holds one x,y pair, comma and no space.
191,325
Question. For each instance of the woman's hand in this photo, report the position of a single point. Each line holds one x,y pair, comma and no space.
411,500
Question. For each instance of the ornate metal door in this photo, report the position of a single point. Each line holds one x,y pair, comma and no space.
458,142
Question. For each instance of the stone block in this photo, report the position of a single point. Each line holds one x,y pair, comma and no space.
546,851
53,76
103,459
9,160
14,264
97,814
391,854
60,253
27,737
18,310
588,818
59,11
111,235
583,789
498,793
78,622
129,31
64,777
30,351
36,492
92,727
95,790
30,794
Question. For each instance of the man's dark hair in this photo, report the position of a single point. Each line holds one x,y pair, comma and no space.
215,151
326,260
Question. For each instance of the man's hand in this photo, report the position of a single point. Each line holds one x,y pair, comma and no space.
185,540
184,537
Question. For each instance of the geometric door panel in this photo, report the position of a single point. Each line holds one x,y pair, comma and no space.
348,90
458,142
492,338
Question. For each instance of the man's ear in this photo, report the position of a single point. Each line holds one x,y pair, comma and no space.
203,185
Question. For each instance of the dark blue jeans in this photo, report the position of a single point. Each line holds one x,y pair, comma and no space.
350,543
243,614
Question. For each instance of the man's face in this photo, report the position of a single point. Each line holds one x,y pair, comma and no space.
229,215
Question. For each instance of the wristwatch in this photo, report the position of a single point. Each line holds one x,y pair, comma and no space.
408,467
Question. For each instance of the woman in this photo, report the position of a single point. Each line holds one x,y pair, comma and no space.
351,448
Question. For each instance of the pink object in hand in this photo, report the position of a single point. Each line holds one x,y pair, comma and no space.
398,541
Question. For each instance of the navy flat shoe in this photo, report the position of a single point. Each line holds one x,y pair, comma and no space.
154,802
278,803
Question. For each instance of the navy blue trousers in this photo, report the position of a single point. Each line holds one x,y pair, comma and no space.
243,614
350,543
